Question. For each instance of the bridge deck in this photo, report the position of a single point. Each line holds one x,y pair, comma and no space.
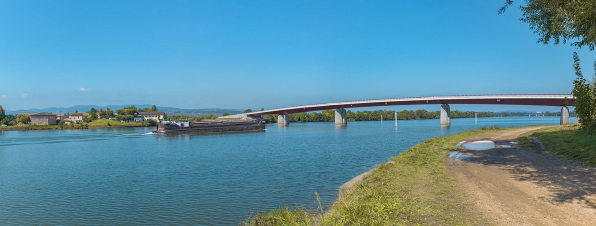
512,99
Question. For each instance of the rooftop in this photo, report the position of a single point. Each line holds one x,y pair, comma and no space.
43,114
152,113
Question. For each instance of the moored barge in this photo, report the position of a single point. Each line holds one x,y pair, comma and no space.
184,126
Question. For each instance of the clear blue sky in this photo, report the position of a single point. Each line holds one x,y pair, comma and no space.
269,54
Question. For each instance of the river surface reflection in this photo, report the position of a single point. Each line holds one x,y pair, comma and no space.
126,176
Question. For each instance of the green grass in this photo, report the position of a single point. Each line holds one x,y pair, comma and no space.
415,190
110,123
35,127
524,141
570,142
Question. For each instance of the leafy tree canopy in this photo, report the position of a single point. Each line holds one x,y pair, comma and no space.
23,119
584,93
247,111
560,20
91,117
130,111
153,108
2,115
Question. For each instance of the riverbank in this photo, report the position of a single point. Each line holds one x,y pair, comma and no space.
505,185
97,124
413,188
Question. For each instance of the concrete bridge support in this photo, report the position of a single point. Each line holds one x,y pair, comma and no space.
283,120
564,116
445,115
341,117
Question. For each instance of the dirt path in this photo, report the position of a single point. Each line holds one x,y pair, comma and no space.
518,186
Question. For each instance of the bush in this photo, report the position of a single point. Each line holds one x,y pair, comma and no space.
151,122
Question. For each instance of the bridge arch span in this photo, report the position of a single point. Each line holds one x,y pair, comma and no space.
562,100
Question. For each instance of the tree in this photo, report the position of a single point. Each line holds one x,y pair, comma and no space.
91,117
262,109
226,114
125,117
120,112
2,115
92,111
23,119
151,122
153,108
247,111
109,113
130,111
560,20
585,100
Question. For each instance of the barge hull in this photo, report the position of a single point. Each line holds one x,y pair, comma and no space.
214,128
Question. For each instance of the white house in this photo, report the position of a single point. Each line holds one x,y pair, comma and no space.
155,115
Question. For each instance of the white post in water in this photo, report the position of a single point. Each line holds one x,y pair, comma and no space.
476,117
395,119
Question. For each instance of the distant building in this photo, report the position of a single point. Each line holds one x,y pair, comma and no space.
66,121
155,115
78,117
43,118
60,116
100,116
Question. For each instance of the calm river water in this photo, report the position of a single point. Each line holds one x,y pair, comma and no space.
125,176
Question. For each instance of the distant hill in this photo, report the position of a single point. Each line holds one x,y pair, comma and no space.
168,110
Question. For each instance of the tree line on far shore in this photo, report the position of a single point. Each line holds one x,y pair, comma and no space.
329,115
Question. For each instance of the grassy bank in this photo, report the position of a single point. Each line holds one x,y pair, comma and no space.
414,190
569,142
100,123
104,123
30,127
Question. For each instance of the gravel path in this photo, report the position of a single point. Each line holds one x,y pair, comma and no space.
519,186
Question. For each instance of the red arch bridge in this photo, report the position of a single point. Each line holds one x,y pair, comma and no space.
562,100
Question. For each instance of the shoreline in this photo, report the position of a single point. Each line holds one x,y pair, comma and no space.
419,186
21,128
411,188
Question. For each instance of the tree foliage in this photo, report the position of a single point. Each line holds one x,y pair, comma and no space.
23,119
247,111
153,108
560,20
2,114
125,117
585,97
329,115
151,122
130,111
91,117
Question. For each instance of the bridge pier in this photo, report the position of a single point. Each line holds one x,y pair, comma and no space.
341,117
564,115
283,120
445,115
